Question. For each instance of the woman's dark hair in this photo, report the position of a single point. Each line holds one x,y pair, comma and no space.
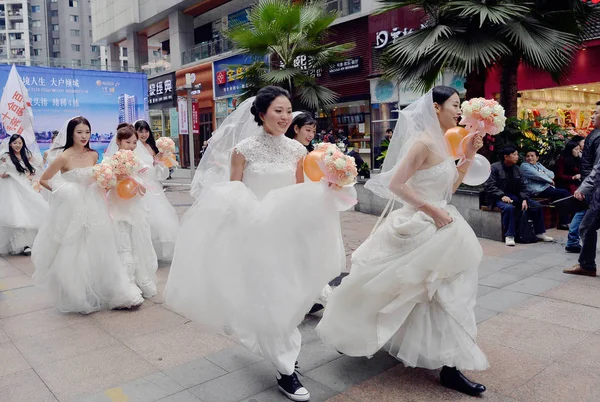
507,150
442,93
141,125
535,151
303,119
121,125
71,130
571,162
25,155
263,100
126,132
578,138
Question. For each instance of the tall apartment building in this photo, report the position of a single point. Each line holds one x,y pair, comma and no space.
56,33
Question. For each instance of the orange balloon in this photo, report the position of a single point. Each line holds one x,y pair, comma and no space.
127,189
453,138
311,166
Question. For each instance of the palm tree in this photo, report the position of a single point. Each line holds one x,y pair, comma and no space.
470,36
290,33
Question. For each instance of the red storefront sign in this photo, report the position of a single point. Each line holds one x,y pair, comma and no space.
195,117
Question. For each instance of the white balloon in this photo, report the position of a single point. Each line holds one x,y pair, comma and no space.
478,172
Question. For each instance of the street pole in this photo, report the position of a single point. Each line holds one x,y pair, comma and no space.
191,133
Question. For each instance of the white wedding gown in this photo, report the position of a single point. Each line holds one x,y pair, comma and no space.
252,256
412,285
23,209
75,252
162,218
134,241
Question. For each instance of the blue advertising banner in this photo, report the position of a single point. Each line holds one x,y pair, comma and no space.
104,98
227,75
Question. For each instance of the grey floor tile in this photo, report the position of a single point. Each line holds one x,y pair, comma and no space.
525,269
315,354
499,279
183,396
533,285
195,372
555,273
238,385
233,358
528,253
345,372
318,393
482,314
146,389
484,290
501,300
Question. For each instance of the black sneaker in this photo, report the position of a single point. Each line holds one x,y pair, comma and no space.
291,387
316,308
27,251
573,249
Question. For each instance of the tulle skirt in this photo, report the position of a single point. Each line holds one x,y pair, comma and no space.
134,242
255,267
163,221
415,287
22,213
75,254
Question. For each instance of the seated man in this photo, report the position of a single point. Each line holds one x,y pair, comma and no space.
540,183
505,189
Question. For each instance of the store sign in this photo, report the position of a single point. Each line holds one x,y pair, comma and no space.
161,89
350,65
385,37
228,75
183,115
303,62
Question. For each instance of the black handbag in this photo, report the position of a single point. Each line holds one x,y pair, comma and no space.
525,229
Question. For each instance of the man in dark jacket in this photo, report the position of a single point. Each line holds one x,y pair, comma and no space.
505,188
589,190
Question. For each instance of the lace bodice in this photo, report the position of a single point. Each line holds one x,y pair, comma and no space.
271,162
81,176
435,184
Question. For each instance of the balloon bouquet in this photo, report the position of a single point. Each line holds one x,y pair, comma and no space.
479,116
117,172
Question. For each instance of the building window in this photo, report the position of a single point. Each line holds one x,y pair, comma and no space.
54,13
37,52
124,51
125,65
53,1
14,36
56,55
37,38
74,18
76,48
94,48
95,62
36,23
76,63
56,41
90,17
36,9
90,33
74,32
55,27
74,3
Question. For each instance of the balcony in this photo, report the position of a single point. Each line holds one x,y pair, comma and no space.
345,7
206,49
157,66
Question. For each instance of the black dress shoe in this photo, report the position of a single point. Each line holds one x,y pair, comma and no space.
563,227
573,249
451,378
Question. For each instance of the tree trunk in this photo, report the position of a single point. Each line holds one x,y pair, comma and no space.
509,86
475,84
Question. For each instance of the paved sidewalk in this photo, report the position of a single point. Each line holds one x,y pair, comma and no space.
539,327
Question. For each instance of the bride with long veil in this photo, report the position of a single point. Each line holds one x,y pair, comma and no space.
413,282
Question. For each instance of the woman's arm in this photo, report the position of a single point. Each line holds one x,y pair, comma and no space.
472,147
238,162
300,171
54,168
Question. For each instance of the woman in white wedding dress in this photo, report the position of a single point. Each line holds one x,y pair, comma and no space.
163,220
75,253
130,218
23,210
256,249
413,282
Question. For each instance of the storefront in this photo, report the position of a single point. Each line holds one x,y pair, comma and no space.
569,104
229,84
351,116
162,104
202,111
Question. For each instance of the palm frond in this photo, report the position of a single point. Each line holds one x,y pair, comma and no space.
499,13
